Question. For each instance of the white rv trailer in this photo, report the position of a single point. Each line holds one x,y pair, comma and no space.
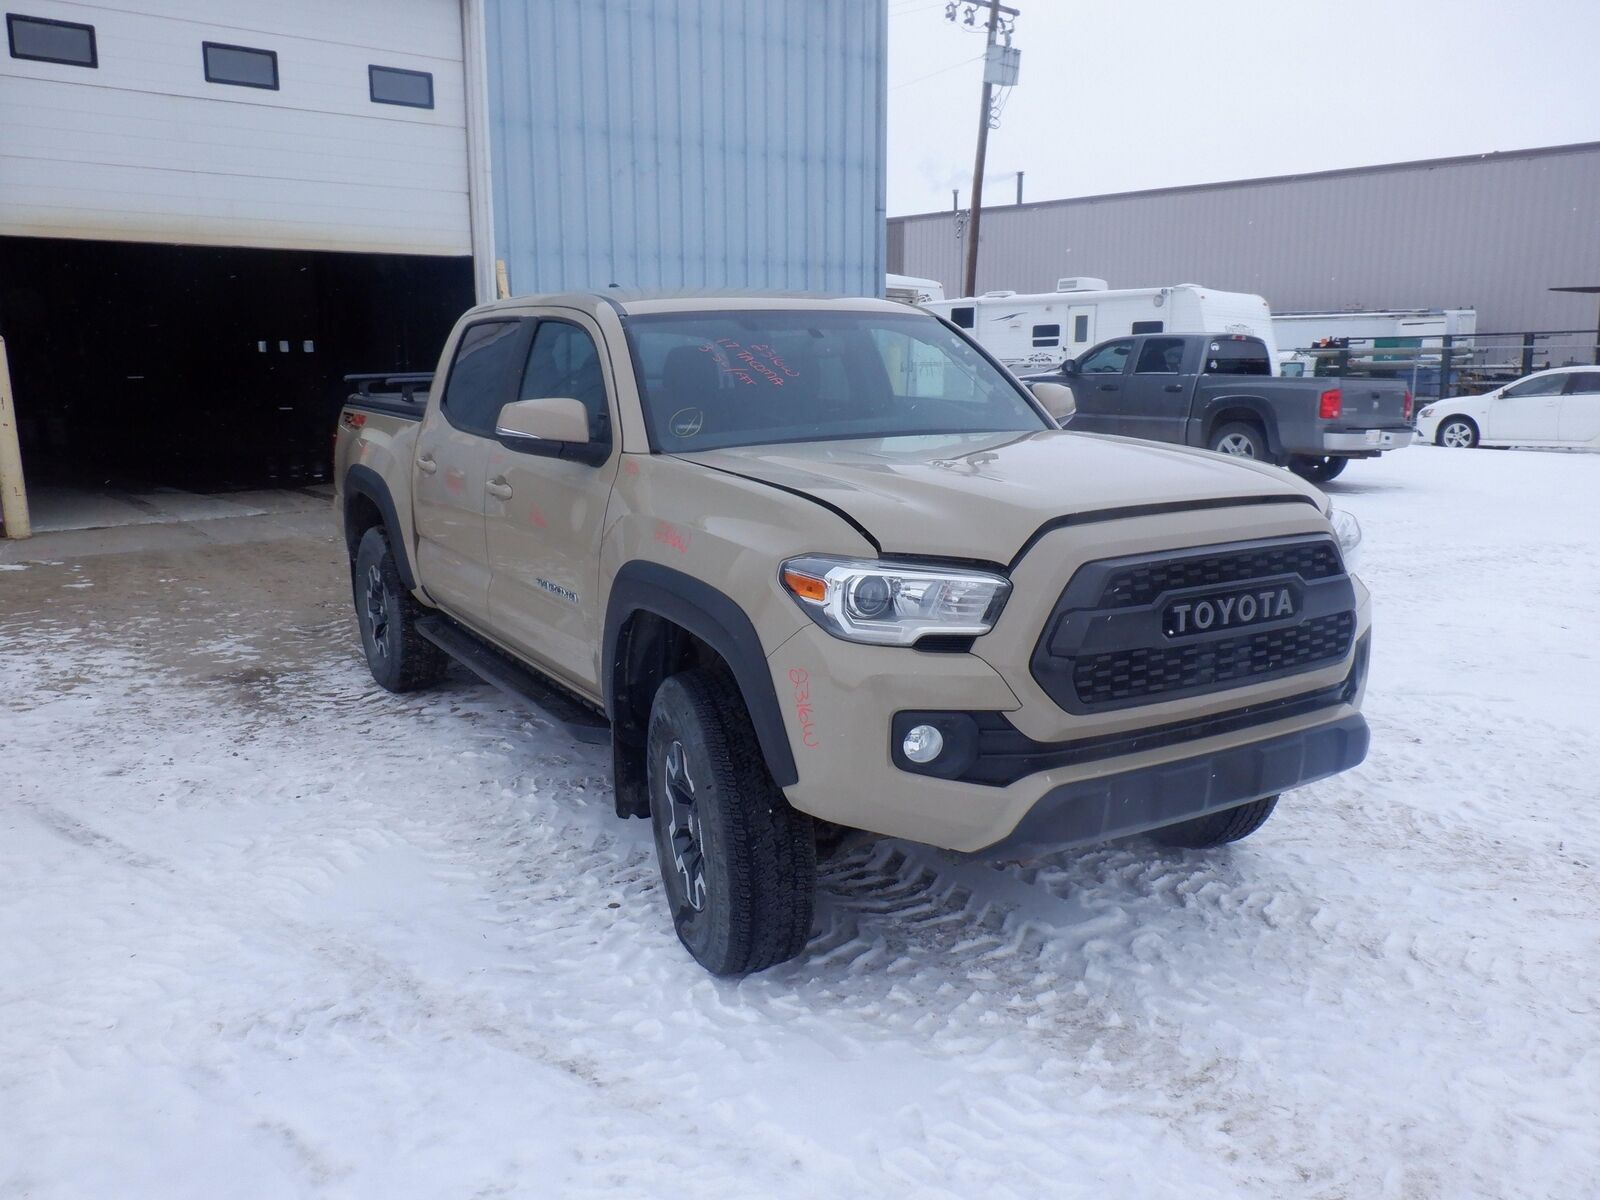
908,289
1036,332
1301,330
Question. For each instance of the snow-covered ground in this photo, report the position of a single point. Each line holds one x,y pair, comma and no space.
266,931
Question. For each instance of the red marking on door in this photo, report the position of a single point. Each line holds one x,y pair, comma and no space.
536,518
455,482
631,467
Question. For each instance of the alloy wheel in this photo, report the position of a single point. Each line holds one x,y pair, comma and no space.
1457,435
683,828
378,610
1237,445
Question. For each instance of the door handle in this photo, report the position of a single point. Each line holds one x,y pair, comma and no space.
498,488
1108,387
426,465
1173,387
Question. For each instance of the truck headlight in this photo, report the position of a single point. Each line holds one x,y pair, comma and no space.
893,604
1348,530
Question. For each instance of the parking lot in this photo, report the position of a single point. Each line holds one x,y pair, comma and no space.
266,930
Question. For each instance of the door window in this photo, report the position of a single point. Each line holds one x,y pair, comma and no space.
1161,356
1080,327
1109,359
1583,383
564,361
1539,385
484,373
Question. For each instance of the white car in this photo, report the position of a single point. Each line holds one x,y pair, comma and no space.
1560,407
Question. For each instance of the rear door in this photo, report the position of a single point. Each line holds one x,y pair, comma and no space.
449,475
1097,388
1528,411
545,515
1155,396
1579,422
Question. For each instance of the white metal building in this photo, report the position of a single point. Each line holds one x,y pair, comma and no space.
226,207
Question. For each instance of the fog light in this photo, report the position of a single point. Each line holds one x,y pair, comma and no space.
923,744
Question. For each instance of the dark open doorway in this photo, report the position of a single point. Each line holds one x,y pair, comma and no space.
203,368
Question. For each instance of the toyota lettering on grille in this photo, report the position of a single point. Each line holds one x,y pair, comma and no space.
1229,610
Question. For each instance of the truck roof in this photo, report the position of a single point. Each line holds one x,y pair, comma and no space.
639,301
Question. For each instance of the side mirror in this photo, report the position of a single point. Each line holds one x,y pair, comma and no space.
1057,399
554,426
1070,367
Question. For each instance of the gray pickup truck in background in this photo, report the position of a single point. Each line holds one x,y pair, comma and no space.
1218,391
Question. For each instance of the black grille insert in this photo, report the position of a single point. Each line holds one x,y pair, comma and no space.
1149,672
1141,584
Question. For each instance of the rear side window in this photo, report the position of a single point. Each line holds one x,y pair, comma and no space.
1148,326
41,39
564,362
1161,356
484,374
1047,335
1237,356
961,317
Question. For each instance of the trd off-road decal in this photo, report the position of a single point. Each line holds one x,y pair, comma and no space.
555,589
803,710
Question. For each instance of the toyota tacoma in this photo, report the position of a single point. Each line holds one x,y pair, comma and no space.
807,564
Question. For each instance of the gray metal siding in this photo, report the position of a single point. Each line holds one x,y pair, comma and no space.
1491,233
688,143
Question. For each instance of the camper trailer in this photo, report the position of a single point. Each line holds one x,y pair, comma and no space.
908,289
1037,332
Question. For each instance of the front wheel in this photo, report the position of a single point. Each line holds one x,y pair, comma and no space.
1238,440
1458,433
738,863
1218,828
1318,468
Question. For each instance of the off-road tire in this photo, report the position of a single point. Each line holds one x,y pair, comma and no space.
757,855
1241,435
1218,828
1469,433
1318,468
399,657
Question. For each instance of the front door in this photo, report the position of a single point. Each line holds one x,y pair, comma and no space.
1526,411
546,515
1156,395
1579,423
1097,388
450,473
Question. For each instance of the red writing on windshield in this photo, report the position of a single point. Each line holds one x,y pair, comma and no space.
749,364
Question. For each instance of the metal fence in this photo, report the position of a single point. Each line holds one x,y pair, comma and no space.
1447,365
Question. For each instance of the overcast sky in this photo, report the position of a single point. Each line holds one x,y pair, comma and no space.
1123,94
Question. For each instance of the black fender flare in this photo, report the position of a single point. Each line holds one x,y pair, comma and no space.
1254,405
362,480
717,621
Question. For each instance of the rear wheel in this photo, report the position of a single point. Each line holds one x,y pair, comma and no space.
1218,828
737,862
1317,468
1239,440
399,657
1459,433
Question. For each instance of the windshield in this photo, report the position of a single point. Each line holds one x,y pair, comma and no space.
715,379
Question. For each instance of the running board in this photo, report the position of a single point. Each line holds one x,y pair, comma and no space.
582,723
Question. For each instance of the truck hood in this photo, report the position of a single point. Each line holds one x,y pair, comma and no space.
982,496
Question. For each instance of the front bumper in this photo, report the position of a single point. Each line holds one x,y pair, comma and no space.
1113,806
1366,441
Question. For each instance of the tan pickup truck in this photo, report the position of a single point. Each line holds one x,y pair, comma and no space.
811,563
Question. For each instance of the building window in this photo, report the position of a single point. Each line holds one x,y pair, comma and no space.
43,40
391,85
1047,335
961,317
241,66
1148,327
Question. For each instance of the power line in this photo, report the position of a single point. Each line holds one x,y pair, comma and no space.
942,70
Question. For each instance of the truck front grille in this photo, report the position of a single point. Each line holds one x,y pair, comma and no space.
1109,642
1100,679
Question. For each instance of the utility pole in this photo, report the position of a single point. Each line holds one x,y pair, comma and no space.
999,69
